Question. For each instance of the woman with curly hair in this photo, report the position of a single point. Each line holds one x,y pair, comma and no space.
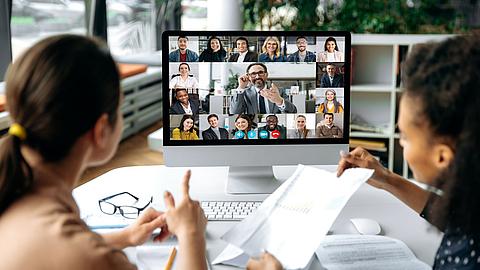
440,134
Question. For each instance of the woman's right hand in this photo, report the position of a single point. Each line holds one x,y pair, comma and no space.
187,218
360,157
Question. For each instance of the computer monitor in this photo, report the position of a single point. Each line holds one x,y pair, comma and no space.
254,99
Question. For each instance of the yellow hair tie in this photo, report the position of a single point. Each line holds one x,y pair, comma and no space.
18,131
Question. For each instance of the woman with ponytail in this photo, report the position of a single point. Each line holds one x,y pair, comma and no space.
52,140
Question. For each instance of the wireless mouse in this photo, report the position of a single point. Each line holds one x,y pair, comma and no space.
366,226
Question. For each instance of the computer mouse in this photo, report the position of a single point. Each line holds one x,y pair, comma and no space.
366,226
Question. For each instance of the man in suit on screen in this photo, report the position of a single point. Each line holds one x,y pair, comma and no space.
253,95
331,78
214,132
243,54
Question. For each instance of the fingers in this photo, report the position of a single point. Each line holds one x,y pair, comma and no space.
164,234
274,87
254,264
169,201
168,197
266,255
243,78
356,158
186,184
266,261
159,222
264,93
360,152
272,260
149,215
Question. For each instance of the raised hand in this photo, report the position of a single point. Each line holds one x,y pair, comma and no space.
243,81
272,94
187,217
187,221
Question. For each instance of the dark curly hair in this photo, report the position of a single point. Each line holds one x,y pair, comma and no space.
444,79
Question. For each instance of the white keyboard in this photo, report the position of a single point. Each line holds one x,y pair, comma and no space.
229,210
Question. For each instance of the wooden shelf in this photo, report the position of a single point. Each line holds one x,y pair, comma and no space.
372,88
360,134
375,92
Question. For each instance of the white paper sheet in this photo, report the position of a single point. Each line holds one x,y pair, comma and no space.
150,257
232,255
154,257
97,220
292,221
366,252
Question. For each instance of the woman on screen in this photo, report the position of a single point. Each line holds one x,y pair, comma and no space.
440,139
53,139
184,79
330,104
301,131
271,51
214,51
186,129
243,125
331,52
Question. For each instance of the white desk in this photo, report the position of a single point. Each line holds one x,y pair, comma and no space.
208,183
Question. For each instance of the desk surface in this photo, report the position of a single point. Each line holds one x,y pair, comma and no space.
208,183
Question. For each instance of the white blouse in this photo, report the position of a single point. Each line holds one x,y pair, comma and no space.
179,82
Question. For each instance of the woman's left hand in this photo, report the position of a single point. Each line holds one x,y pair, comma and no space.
266,262
140,231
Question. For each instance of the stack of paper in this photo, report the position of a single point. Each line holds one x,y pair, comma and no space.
153,257
369,252
292,222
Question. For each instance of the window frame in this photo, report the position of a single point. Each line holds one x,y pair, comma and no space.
5,36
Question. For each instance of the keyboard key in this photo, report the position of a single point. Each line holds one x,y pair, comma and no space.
229,210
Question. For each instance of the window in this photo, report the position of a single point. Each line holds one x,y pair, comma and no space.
131,26
33,20
194,15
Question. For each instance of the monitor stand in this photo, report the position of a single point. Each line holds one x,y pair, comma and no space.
251,180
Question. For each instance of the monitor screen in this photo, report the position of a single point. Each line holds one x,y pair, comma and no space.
256,88
251,100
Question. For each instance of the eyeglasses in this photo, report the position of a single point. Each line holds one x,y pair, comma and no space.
126,211
259,73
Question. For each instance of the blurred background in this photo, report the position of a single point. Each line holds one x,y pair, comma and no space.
384,31
134,26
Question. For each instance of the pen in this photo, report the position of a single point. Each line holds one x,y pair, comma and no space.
171,258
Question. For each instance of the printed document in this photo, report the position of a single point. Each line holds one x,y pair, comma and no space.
293,220
153,257
366,252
